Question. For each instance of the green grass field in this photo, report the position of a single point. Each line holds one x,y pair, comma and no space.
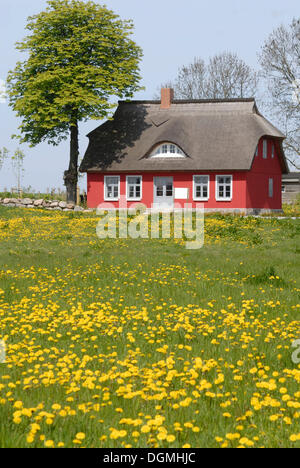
143,343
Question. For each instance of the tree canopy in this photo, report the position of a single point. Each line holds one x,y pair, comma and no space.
3,156
280,61
225,76
80,54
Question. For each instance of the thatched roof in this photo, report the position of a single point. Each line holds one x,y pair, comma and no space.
215,135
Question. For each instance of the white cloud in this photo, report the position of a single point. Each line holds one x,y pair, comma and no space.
2,92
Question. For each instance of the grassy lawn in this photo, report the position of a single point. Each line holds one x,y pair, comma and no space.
143,343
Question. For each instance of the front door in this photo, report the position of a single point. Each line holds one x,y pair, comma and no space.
163,193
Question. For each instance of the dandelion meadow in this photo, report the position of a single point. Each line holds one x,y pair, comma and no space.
143,343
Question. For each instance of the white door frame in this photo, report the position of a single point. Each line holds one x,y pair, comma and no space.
164,202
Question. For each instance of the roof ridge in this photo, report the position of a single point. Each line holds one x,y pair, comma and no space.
191,101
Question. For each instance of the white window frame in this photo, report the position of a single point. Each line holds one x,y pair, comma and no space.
265,149
217,188
195,198
106,198
273,150
256,151
127,185
166,151
271,187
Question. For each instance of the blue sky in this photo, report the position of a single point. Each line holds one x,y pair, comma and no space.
170,32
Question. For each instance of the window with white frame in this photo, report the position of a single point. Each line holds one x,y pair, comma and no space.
134,187
167,150
271,188
265,149
201,187
223,187
256,151
111,188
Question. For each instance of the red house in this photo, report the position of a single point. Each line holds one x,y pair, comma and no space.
222,153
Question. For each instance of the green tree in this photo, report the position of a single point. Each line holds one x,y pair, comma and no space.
80,54
3,156
17,161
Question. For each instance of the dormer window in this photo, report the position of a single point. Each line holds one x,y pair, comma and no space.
167,150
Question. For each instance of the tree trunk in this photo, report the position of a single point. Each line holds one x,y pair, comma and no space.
71,175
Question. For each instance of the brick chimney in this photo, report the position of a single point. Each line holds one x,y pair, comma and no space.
167,96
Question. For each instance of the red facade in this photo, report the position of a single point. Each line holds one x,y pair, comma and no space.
258,188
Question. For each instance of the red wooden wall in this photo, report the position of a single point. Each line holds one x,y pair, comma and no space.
258,179
250,188
95,191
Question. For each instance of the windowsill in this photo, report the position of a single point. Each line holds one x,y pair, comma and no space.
133,199
111,199
167,156
223,199
200,199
